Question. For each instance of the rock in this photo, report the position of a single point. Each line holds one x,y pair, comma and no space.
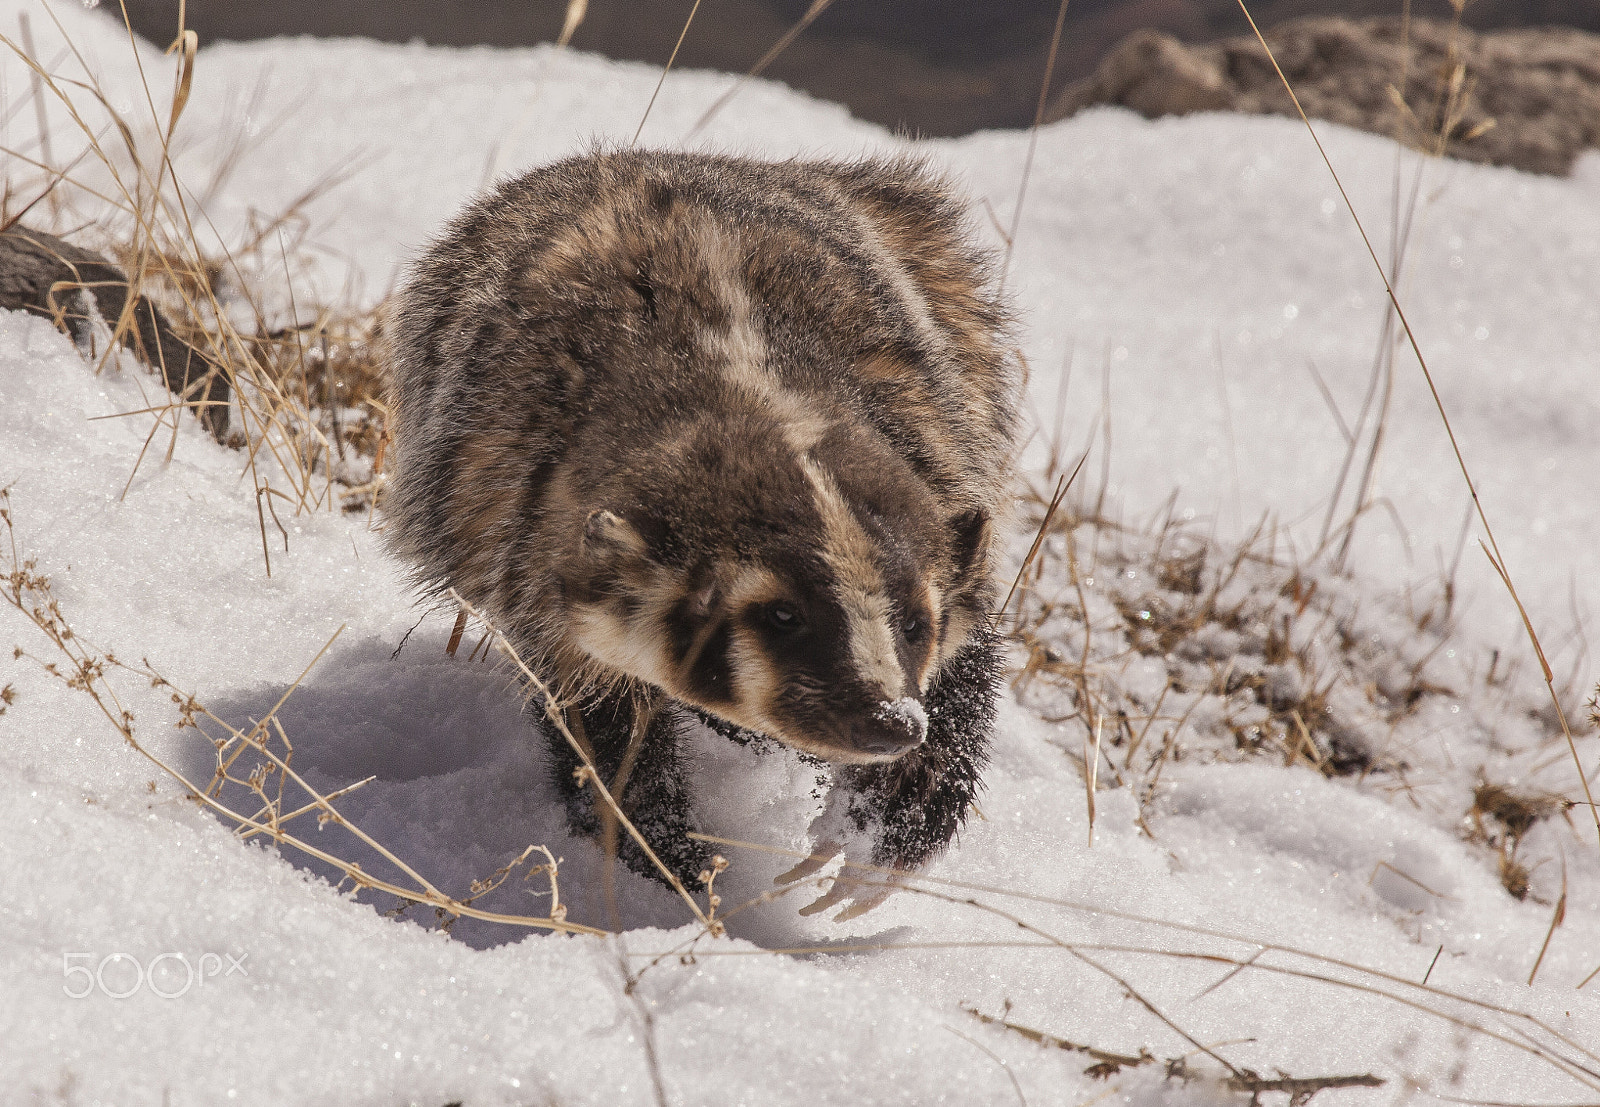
1155,75
49,276
1528,98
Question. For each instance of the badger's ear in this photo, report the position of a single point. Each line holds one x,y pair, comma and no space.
970,533
608,535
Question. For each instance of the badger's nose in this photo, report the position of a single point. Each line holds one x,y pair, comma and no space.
896,727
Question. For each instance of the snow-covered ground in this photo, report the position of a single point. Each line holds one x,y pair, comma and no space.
1190,270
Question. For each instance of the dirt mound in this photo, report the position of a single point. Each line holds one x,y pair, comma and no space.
1528,98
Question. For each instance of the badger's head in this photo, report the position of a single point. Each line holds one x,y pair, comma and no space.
801,582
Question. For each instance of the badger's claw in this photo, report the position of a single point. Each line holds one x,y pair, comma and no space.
869,898
837,892
860,890
825,852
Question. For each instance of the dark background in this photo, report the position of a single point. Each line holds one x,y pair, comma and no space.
934,67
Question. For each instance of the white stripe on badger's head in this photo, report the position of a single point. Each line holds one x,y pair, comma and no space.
852,558
740,350
849,553
848,688
934,598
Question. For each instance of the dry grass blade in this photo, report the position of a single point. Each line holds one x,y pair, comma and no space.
1033,141
576,10
455,634
646,1019
1062,485
185,45
1050,1041
41,111
683,34
1493,547
1332,405
1436,955
1091,771
995,1057
1557,917
1227,976
817,8
1299,1089
306,809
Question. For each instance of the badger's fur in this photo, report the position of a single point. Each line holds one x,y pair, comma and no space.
709,433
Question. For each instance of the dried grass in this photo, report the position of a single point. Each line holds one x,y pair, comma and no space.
1491,547
310,421
1245,628
816,8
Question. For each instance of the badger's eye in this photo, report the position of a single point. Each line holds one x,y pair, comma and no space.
784,617
912,627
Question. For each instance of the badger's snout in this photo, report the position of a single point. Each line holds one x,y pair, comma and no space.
895,728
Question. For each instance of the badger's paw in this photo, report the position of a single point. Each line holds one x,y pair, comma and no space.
858,889
859,885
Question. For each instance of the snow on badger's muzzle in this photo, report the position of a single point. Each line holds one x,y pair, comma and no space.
832,655
895,728
832,687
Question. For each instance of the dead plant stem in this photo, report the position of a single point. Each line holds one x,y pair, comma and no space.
1493,547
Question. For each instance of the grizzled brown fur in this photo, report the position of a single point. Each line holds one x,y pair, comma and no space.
713,433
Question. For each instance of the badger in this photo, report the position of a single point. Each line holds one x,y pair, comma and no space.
714,439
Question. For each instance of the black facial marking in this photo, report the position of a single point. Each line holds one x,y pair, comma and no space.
710,677
689,615
680,633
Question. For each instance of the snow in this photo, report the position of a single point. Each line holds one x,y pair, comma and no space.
1188,269
906,711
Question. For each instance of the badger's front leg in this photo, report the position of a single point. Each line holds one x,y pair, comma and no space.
635,742
900,815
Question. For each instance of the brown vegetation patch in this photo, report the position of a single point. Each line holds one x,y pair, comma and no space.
1528,98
